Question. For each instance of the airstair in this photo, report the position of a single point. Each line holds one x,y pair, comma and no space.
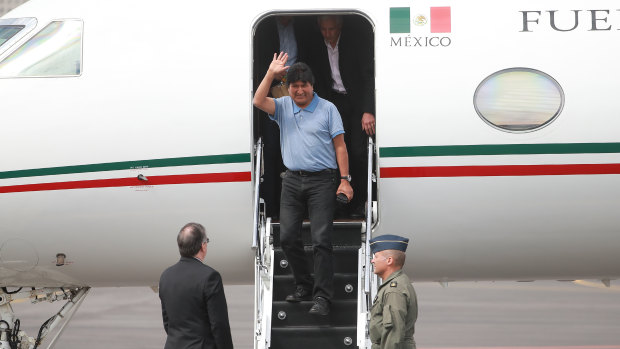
280,324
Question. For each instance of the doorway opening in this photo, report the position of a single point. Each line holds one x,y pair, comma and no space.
343,66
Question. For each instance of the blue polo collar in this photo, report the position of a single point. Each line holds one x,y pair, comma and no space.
310,108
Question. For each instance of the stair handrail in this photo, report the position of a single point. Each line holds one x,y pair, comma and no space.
366,298
371,150
257,243
258,150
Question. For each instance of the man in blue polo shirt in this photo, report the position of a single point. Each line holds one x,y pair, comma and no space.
315,154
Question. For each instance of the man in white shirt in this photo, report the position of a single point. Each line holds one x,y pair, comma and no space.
345,76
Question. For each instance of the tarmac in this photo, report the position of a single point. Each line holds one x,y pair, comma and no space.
491,315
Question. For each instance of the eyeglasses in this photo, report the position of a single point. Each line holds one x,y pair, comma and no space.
206,241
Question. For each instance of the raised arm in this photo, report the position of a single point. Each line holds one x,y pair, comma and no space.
276,68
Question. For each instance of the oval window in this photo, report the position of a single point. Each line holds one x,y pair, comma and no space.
519,99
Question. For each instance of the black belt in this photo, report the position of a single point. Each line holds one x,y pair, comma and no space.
308,173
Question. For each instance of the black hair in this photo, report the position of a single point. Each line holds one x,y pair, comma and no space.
337,19
299,71
190,239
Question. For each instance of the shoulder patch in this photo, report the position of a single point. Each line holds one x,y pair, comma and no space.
393,284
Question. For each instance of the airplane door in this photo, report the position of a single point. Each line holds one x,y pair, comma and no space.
356,49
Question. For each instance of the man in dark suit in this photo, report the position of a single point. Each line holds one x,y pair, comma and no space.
344,66
193,303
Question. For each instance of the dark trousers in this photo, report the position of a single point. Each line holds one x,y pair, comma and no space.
317,193
356,140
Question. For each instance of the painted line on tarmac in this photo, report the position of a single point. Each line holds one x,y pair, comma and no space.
596,285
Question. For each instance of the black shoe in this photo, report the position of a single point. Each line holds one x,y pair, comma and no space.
300,294
320,307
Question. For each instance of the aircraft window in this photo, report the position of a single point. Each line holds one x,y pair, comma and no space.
54,51
8,31
519,99
13,29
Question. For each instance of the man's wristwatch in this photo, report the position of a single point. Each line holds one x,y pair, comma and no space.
347,177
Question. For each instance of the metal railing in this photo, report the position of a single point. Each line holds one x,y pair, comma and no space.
260,233
258,150
371,150
369,277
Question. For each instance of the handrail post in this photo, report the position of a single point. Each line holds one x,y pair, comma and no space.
259,160
371,146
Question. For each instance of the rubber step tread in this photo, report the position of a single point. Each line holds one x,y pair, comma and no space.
343,313
284,285
344,234
344,258
302,337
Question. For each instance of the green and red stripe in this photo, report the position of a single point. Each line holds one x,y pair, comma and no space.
131,182
501,149
130,165
223,177
500,170
386,172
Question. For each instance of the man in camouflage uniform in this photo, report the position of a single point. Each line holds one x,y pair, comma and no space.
395,308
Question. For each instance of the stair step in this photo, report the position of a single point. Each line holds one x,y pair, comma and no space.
284,285
298,329
313,337
345,260
344,234
342,313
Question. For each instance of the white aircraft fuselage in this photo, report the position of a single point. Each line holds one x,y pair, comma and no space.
164,90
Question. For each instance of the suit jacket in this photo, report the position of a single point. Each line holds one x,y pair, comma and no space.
267,42
356,63
194,307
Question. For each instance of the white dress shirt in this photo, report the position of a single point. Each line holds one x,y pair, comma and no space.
332,53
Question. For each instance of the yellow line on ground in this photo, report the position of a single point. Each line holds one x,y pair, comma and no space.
21,300
596,285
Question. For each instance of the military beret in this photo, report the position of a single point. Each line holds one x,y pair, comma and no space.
388,242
